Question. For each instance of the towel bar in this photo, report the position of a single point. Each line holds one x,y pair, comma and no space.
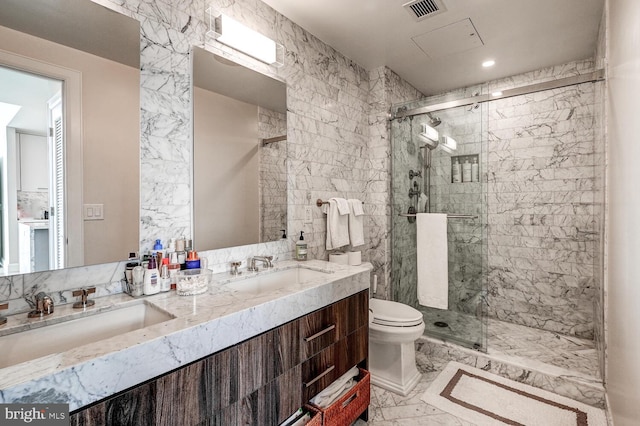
319,202
449,216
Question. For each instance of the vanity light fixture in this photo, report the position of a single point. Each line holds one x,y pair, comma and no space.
488,63
242,38
429,132
448,144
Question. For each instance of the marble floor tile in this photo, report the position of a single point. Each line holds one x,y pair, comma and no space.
506,341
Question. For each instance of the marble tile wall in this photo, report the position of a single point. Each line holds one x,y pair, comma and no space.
32,203
600,205
387,89
542,221
273,175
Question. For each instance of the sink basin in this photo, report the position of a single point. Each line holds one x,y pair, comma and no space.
272,281
63,336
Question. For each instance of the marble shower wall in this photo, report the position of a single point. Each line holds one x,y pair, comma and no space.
32,203
543,226
273,175
387,89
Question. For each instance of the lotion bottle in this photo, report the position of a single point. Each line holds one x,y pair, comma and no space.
165,279
466,171
151,278
456,176
475,175
301,248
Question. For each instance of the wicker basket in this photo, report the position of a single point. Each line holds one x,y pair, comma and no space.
316,415
348,408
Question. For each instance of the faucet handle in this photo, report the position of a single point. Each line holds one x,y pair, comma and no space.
3,319
234,267
84,293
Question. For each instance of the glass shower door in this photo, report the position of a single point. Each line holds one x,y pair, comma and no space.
420,184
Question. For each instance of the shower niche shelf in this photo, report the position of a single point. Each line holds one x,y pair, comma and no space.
465,168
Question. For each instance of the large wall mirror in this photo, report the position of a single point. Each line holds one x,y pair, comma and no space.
69,135
239,150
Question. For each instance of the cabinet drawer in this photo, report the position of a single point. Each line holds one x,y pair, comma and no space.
321,370
326,326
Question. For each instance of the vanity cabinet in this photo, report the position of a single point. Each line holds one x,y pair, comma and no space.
261,381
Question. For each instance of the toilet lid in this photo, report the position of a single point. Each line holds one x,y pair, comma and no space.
386,312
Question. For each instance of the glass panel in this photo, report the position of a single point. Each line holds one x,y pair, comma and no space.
451,181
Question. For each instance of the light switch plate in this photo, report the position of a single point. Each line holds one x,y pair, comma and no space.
308,215
93,212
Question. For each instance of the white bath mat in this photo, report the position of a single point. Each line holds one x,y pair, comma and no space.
487,399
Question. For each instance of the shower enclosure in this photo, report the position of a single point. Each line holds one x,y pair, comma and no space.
442,173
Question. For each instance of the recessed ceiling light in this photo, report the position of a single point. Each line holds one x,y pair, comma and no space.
488,63
496,94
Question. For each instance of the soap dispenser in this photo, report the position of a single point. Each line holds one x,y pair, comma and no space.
151,279
301,248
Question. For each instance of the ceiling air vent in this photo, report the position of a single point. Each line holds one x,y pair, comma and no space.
422,9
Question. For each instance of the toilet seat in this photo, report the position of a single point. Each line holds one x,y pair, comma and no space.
394,314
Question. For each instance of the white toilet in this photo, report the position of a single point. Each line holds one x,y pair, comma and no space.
393,329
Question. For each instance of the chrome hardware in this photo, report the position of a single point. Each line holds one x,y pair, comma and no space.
320,376
267,260
84,293
320,333
3,319
44,306
413,174
234,268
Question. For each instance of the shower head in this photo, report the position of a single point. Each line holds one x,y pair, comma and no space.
434,121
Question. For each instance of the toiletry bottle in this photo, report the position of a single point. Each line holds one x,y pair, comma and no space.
456,176
475,175
151,279
466,171
192,261
174,268
165,279
301,248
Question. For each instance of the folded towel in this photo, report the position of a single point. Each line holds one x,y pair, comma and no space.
433,275
335,390
356,222
337,223
422,203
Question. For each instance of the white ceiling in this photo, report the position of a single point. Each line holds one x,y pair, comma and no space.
520,35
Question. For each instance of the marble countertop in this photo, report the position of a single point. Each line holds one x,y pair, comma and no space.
203,324
35,223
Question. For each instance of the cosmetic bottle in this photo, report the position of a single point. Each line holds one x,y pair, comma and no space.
151,279
466,171
174,268
475,175
165,279
456,176
192,261
301,248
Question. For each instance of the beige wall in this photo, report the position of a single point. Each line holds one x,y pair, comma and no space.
111,147
225,172
623,276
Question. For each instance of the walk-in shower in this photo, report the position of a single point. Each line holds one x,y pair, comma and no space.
515,178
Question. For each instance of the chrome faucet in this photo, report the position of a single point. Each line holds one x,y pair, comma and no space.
44,306
267,260
84,293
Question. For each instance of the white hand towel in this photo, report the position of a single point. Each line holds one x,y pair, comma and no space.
337,223
422,203
433,275
336,389
356,222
